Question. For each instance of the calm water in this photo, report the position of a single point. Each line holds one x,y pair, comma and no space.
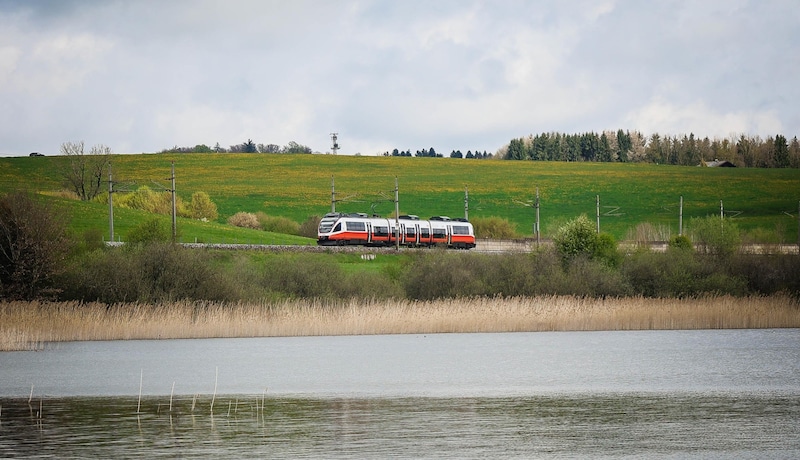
664,394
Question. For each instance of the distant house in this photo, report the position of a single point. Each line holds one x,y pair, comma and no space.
718,164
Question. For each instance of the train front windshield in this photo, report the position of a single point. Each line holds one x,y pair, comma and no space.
326,224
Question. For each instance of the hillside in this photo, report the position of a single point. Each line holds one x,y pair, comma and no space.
761,201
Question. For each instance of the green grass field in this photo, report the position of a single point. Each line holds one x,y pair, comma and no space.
763,201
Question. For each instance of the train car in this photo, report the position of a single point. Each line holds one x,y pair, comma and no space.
340,229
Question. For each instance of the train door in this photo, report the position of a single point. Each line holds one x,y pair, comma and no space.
369,232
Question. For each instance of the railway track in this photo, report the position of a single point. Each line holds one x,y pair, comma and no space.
483,246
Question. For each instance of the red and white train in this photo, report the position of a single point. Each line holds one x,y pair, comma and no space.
339,229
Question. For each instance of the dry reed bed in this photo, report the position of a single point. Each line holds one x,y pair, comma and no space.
31,325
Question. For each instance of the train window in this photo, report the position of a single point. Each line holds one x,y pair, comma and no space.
357,226
380,231
338,227
410,232
439,233
460,230
424,233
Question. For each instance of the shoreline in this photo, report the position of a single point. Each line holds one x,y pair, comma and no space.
35,325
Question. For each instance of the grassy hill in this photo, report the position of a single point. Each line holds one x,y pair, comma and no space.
298,186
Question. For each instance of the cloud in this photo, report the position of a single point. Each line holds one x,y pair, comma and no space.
663,117
143,76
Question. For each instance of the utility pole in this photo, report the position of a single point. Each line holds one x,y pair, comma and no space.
174,207
466,203
598,213
333,195
538,228
680,218
397,213
110,204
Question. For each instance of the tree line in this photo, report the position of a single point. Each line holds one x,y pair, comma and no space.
245,147
431,153
633,146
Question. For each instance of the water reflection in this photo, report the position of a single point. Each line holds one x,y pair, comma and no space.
615,426
668,394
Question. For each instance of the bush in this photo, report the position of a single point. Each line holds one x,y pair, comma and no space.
588,277
149,273
151,231
681,242
494,227
768,274
680,274
310,227
33,246
244,220
202,208
303,277
437,274
149,200
715,236
605,250
576,237
278,224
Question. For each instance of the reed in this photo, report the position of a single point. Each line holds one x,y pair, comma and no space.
29,325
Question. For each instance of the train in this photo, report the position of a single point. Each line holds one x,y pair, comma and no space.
345,229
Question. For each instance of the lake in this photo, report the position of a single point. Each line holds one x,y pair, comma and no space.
663,394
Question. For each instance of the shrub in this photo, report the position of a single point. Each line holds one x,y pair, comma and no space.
245,220
768,274
588,277
202,208
494,227
441,274
278,224
310,227
151,231
90,240
576,237
304,277
149,273
605,250
681,242
149,200
33,246
716,236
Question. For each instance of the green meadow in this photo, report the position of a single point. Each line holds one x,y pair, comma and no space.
762,202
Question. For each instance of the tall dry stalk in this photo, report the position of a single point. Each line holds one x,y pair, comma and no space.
29,325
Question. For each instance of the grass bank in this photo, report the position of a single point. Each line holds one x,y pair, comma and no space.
33,325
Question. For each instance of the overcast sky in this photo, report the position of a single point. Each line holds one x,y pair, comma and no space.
141,76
